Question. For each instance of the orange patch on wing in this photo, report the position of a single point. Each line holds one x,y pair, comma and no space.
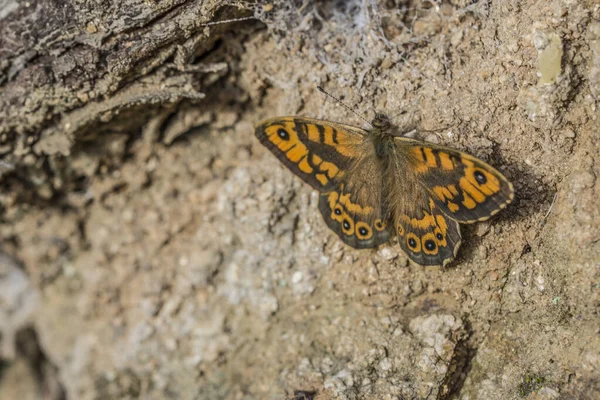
353,207
333,199
443,193
329,168
419,162
328,135
322,179
431,162
441,228
453,207
491,186
335,216
347,150
313,132
422,223
470,189
305,166
446,161
418,154
297,152
344,142
441,223
468,202
441,242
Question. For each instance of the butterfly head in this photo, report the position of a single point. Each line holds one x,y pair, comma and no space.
381,125
381,121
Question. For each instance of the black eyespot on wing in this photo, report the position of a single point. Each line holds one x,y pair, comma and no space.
412,243
439,236
337,211
363,231
480,177
346,224
430,245
283,134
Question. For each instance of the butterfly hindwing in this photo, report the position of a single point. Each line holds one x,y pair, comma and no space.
319,152
465,188
427,236
358,220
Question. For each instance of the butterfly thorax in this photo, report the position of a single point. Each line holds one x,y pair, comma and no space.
402,193
381,137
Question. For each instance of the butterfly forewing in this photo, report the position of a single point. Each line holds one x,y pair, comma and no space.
465,188
319,152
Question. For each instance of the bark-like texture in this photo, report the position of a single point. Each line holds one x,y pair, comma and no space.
153,249
71,72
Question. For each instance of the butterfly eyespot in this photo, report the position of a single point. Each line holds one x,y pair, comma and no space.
400,230
363,230
337,211
380,225
412,243
480,177
430,245
439,236
283,134
348,226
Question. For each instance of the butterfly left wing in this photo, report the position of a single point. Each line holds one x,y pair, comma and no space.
338,161
319,152
465,188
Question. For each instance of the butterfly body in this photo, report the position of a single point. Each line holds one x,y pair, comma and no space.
375,184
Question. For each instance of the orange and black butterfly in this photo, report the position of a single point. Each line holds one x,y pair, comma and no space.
375,185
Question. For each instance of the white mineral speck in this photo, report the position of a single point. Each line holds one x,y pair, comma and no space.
297,277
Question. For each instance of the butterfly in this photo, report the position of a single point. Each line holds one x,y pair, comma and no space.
374,184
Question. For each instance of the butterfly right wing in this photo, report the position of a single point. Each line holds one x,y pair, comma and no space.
319,152
464,187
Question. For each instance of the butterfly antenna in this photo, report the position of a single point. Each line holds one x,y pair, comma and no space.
397,114
228,20
344,105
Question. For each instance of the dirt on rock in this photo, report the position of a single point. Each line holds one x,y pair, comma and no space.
152,248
